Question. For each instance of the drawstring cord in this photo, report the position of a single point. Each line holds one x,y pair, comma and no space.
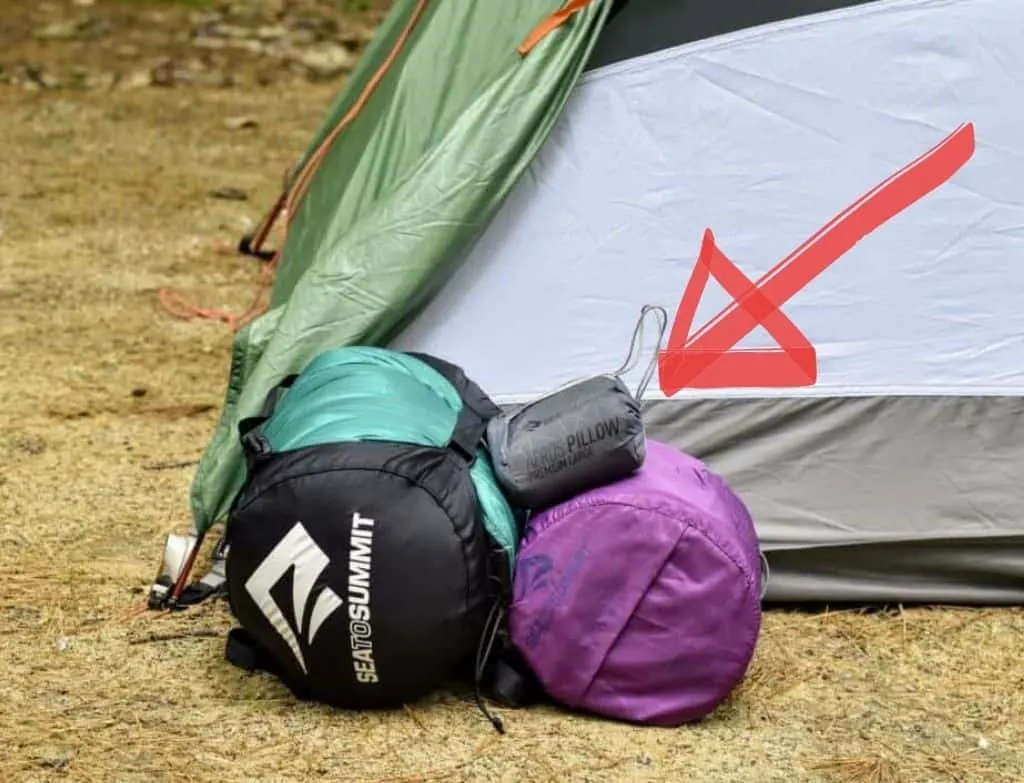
483,654
636,346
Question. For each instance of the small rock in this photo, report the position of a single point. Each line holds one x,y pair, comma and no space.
326,61
140,391
165,73
301,37
49,80
94,28
63,643
247,45
57,762
100,81
238,123
983,743
137,79
229,194
208,43
30,444
61,30
204,18
271,32
229,31
250,45
33,77
209,78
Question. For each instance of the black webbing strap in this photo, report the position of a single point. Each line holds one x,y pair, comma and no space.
500,673
512,684
468,433
269,403
252,442
242,650
477,407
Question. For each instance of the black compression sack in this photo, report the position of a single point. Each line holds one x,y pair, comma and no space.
584,435
361,572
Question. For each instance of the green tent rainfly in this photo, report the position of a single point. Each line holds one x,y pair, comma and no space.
444,112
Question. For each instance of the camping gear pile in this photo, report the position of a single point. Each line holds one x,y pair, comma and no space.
511,179
396,529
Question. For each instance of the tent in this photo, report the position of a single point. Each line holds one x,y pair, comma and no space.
824,195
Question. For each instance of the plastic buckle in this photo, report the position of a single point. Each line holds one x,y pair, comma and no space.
464,450
256,445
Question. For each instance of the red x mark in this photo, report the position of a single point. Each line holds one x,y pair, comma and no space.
706,359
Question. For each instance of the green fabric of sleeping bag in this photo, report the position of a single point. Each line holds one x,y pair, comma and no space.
357,394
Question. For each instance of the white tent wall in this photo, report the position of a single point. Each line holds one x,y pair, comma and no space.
894,477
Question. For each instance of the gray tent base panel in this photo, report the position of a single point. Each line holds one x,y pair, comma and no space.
871,499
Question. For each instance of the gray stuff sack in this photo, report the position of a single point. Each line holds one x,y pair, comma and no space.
584,435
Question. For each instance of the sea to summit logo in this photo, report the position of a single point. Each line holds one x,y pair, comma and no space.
360,561
531,574
300,552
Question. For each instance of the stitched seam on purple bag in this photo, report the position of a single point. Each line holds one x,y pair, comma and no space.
754,606
752,582
686,521
579,503
693,516
684,526
724,546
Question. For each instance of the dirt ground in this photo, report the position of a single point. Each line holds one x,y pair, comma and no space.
116,135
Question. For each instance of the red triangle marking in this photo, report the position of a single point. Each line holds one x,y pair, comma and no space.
706,359
793,363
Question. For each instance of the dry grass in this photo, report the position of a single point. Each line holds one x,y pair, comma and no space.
105,401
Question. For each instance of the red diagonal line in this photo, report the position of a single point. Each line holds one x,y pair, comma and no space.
792,364
907,186
712,261
810,259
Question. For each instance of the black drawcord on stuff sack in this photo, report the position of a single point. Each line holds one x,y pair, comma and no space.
483,653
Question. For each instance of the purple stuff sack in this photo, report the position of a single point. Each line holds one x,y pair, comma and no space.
641,600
